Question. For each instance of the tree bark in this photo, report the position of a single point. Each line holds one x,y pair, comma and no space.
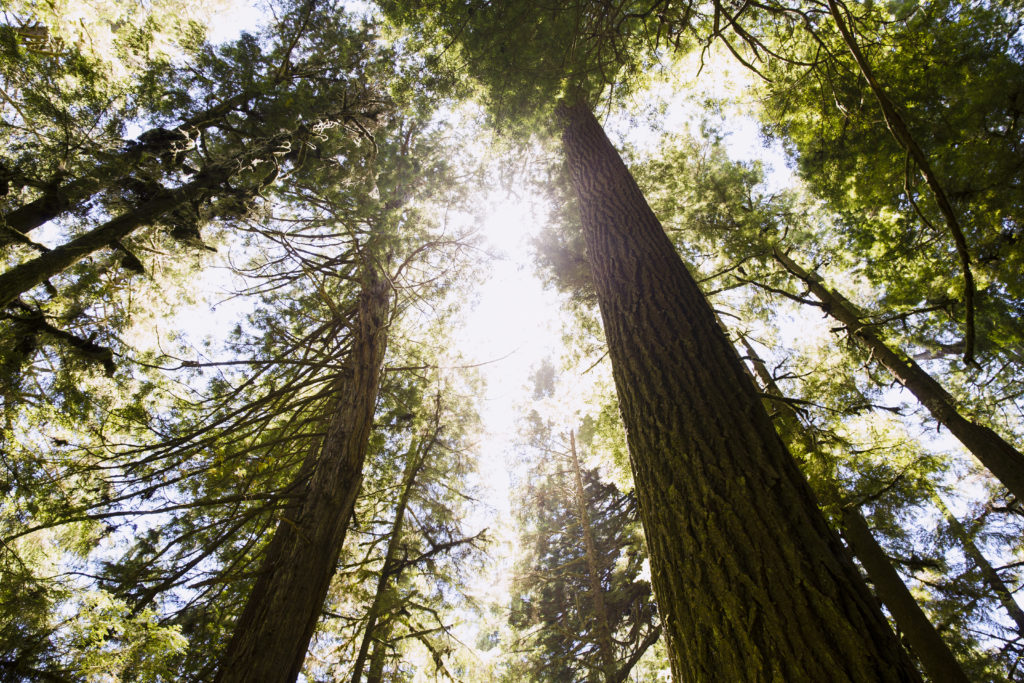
751,583
271,636
605,645
54,202
1002,460
936,658
933,653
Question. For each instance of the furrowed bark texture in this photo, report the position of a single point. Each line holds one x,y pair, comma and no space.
1002,459
751,583
918,631
271,637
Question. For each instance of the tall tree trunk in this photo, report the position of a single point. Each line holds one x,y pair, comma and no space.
271,637
901,133
594,569
54,202
751,583
414,464
931,650
380,653
933,653
1002,460
988,572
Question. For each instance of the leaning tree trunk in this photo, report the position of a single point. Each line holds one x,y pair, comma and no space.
990,575
751,583
1002,460
931,650
24,277
414,464
605,645
271,637
933,653
56,201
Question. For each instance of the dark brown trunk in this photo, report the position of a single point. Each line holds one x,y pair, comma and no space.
271,637
380,653
751,583
594,570
387,572
1002,460
988,572
24,277
73,194
936,658
933,653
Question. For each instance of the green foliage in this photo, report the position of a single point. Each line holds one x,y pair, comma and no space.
553,606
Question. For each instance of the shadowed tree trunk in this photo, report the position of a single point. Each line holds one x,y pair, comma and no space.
751,583
271,637
25,276
380,653
933,653
70,195
1002,460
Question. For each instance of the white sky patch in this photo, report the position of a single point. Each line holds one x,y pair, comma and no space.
514,325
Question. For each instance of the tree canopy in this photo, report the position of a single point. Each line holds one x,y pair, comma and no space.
244,437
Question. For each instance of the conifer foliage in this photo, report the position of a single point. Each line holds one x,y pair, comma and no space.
811,405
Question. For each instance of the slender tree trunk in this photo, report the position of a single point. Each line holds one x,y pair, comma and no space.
380,653
271,637
988,572
53,203
931,650
1002,460
751,583
594,569
414,463
901,133
933,653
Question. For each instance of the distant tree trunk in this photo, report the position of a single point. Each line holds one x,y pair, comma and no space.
273,632
1002,459
380,652
414,464
988,572
931,650
594,569
751,583
901,133
56,201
